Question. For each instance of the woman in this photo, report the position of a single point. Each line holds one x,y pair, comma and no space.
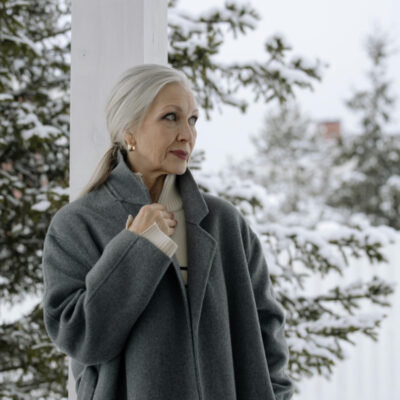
158,291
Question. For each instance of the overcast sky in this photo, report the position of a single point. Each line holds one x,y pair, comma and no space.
331,30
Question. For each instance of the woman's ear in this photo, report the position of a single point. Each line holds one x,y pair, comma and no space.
129,138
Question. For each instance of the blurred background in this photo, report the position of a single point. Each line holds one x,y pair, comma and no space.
299,128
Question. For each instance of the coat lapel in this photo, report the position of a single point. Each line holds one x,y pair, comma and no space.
201,246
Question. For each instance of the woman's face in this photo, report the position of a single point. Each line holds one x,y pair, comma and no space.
168,125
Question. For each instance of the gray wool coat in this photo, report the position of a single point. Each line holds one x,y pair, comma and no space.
117,304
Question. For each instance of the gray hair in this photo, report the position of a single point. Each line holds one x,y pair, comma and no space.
126,108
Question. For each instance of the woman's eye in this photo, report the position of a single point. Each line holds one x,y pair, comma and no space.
168,115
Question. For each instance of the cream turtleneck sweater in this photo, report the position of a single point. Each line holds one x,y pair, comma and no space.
171,199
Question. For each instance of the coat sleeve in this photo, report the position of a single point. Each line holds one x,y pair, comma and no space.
272,321
89,310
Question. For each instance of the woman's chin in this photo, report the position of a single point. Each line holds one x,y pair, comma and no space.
179,169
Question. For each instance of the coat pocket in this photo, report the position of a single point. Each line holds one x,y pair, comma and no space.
87,383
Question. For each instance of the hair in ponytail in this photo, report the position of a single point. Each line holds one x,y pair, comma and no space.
126,107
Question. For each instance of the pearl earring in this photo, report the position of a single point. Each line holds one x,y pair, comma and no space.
131,148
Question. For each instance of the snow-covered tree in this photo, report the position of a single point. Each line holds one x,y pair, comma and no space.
282,192
291,144
370,161
34,157
195,39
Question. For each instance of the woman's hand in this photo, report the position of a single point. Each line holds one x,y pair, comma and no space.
151,213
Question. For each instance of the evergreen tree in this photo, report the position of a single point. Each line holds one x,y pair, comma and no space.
34,80
371,159
195,39
282,192
293,148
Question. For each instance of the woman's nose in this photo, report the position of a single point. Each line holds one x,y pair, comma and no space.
186,131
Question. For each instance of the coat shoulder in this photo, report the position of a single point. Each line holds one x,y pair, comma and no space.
228,218
222,207
79,214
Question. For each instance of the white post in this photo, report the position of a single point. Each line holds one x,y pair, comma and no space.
108,36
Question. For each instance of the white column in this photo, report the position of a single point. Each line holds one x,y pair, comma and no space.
108,36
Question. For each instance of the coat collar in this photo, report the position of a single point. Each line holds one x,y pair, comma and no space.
169,195
201,245
129,187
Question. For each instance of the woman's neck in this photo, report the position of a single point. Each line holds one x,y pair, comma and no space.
154,182
155,187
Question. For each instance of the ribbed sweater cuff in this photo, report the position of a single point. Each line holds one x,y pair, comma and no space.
157,237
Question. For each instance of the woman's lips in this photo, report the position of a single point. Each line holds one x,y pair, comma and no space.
180,154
